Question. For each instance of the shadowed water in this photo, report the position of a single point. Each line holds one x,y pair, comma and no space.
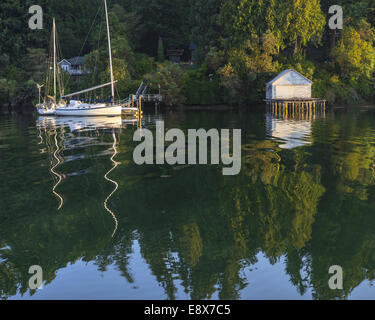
101,227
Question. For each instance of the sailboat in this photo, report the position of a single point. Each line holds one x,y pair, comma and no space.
49,104
106,108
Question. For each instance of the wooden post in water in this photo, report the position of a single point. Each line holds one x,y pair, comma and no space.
298,109
313,108
293,110
309,114
140,106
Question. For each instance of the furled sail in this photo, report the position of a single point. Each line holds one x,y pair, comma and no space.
87,90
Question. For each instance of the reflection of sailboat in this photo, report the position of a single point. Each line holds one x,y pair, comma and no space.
90,123
115,164
76,134
47,125
82,123
59,161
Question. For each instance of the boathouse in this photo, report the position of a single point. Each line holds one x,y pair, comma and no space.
289,84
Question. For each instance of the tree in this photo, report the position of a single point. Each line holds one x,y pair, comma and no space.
165,18
243,75
302,21
169,76
135,28
35,64
293,21
205,30
355,54
243,18
160,50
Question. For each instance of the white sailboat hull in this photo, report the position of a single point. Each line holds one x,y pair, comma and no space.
46,112
90,110
48,109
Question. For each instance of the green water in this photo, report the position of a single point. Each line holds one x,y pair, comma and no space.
102,227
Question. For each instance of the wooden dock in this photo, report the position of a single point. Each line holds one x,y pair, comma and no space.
297,107
133,104
152,97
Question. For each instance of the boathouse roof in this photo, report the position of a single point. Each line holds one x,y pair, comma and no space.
295,78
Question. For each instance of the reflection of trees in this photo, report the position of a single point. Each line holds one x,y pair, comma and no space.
343,232
191,244
30,230
312,205
218,228
117,253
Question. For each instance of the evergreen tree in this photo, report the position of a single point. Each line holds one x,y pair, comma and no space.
160,50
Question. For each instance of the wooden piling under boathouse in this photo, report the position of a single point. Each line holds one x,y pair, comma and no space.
297,108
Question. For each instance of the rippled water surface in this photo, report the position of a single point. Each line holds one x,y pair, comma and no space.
101,227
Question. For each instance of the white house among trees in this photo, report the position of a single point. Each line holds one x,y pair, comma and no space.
73,66
289,84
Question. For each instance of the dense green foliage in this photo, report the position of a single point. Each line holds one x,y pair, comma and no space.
240,45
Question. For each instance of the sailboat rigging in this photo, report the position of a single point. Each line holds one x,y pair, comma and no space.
107,108
49,104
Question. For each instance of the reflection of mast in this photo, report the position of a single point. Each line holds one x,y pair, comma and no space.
114,182
40,135
59,176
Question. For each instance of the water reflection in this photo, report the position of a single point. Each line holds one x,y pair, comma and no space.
115,164
75,134
59,161
293,129
291,133
289,215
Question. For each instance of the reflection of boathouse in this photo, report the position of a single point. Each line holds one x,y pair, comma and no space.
293,124
293,133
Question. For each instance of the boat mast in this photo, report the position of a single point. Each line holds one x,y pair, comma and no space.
110,51
54,59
